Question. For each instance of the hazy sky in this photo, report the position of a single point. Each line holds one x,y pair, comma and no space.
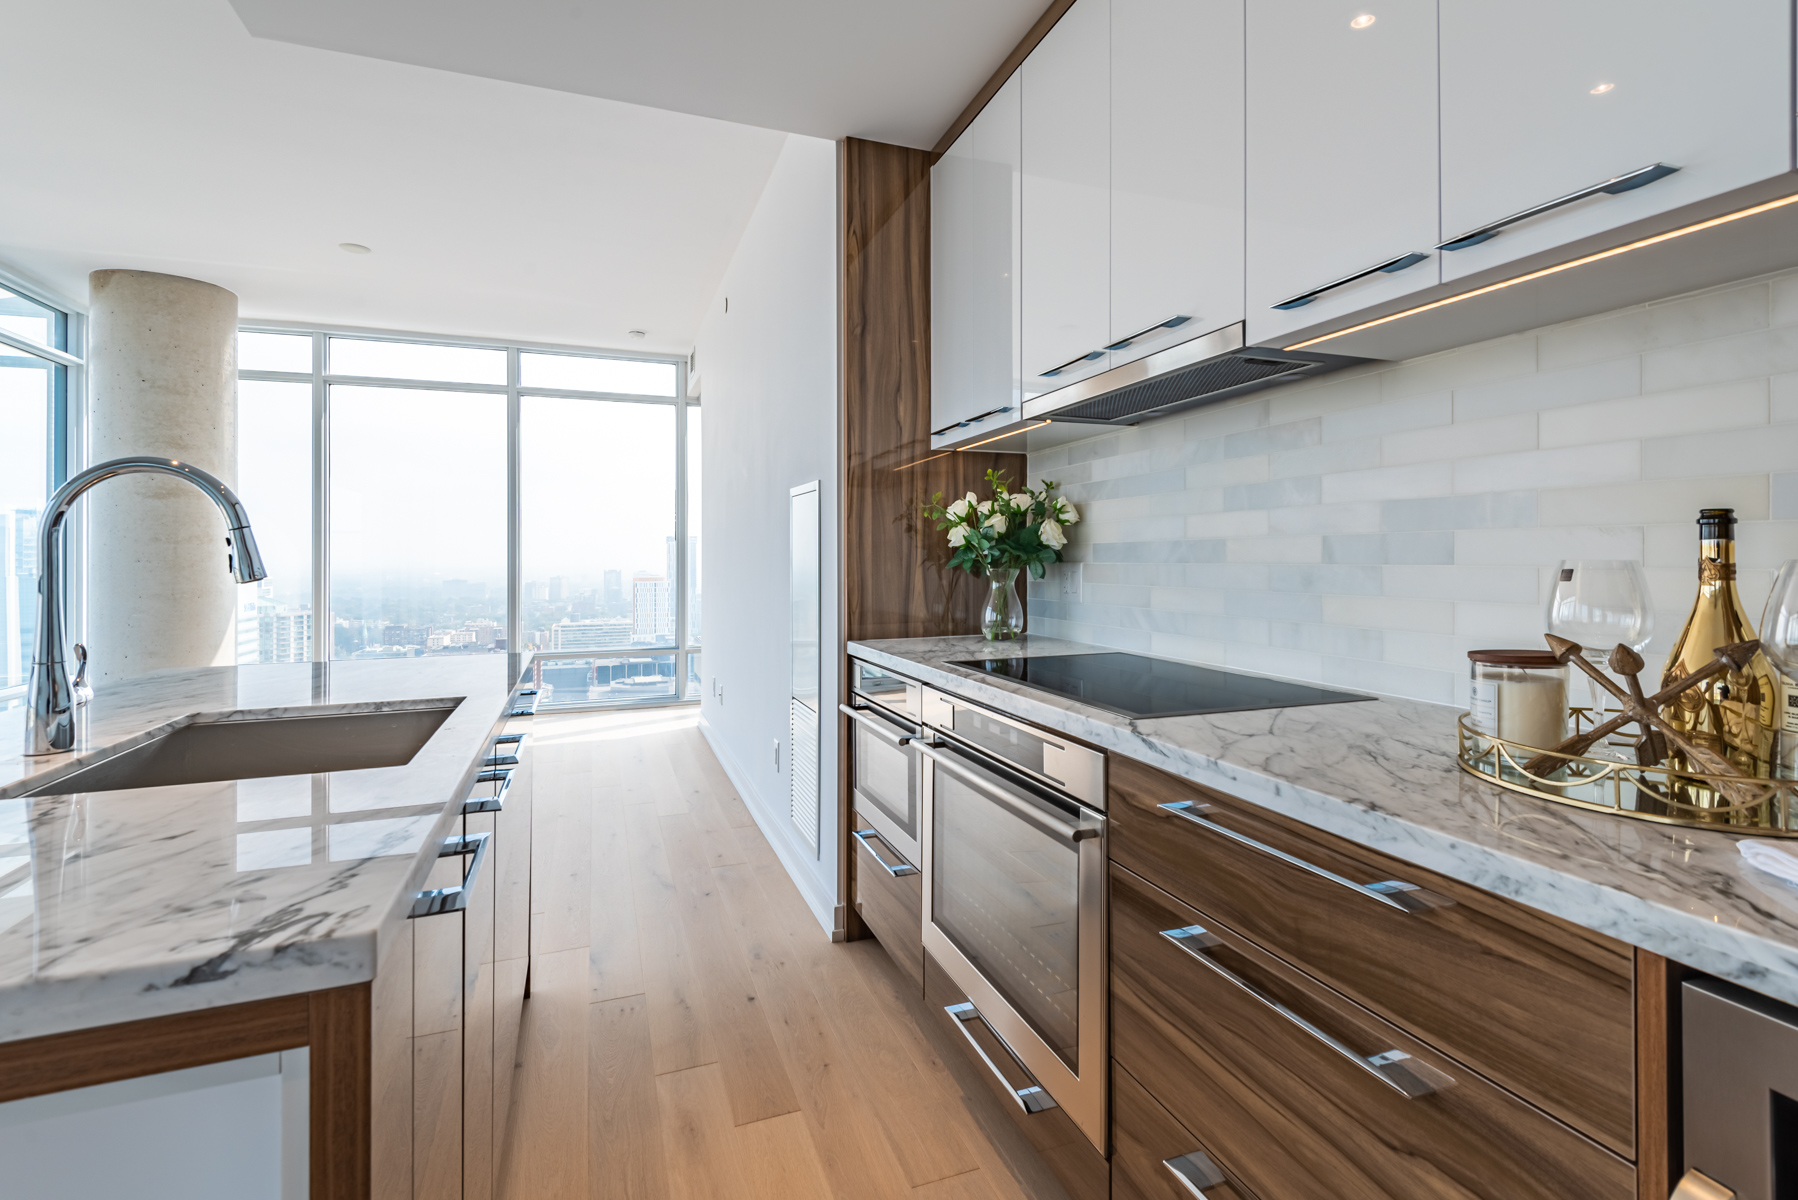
419,478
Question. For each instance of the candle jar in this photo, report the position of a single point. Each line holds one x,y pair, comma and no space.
1518,695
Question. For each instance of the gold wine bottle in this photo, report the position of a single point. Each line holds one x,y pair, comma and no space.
1734,714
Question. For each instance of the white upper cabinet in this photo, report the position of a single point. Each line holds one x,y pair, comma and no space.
1543,99
1067,199
975,244
1342,160
1176,171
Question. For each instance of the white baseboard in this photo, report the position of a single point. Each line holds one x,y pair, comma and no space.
768,820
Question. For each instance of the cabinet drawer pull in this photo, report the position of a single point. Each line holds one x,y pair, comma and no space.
1195,1171
1032,812
495,802
976,419
1390,1067
1052,372
1610,187
1391,266
435,901
871,838
1031,1099
1173,322
1405,897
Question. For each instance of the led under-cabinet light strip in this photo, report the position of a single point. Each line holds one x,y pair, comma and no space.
1613,252
946,453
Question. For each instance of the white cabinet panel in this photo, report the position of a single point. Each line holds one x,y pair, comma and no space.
1542,98
1176,169
1067,197
1342,156
975,244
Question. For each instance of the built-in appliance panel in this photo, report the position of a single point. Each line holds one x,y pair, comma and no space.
1539,1005
1062,763
1308,1096
889,895
1153,1156
890,691
1080,1167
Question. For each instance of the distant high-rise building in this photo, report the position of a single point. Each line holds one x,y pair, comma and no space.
604,634
652,608
614,589
284,635
536,590
557,591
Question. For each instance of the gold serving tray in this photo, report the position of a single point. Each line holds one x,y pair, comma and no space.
1659,794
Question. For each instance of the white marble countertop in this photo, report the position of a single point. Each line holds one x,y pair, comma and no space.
1383,774
120,905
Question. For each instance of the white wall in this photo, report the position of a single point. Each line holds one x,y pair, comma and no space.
1370,528
768,372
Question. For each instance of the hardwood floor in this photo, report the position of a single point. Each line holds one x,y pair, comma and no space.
692,1032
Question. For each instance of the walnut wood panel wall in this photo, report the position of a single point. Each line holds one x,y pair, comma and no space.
896,577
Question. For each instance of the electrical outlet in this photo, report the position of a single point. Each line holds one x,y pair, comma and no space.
777,756
1072,581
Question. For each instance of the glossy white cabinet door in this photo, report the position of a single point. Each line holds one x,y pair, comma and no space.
1541,98
975,244
1067,197
1176,170
1341,156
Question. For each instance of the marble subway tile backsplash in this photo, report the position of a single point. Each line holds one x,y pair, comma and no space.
1371,527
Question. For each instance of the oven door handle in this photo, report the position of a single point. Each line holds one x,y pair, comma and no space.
1066,830
1031,1099
879,728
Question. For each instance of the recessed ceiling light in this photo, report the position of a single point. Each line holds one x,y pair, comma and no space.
1362,21
1602,88
354,248
637,333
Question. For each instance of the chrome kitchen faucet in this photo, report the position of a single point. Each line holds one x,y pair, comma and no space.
52,723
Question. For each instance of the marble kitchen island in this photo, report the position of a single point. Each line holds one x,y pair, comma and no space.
152,929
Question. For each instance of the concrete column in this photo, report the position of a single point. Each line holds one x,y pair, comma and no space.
162,379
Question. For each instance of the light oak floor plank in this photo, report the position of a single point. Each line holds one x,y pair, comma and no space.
692,1031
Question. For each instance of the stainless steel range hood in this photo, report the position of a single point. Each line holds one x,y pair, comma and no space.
1203,370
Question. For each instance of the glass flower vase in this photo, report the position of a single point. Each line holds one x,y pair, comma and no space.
1003,616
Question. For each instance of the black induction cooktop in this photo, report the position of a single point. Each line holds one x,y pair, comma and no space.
1135,685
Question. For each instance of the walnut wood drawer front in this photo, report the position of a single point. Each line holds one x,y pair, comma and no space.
1534,1003
889,895
1304,1095
1149,1147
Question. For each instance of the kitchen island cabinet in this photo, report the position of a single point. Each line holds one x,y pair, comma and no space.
272,920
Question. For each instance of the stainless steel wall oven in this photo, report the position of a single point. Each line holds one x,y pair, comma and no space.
1013,840
885,710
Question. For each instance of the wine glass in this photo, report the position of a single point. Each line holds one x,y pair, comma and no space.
1600,602
1779,642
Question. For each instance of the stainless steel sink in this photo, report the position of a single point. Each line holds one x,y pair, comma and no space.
216,747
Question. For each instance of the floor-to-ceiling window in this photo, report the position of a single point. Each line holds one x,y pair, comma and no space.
39,362
432,497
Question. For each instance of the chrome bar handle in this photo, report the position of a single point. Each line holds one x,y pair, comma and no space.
1391,266
868,838
879,729
1089,356
1196,1172
1388,1067
1626,182
976,419
1173,322
1696,1185
435,901
495,802
1031,1099
1405,897
1041,818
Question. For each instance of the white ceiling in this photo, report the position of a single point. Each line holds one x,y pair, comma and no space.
891,71
162,136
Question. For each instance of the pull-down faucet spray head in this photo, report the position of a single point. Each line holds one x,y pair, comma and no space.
50,728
